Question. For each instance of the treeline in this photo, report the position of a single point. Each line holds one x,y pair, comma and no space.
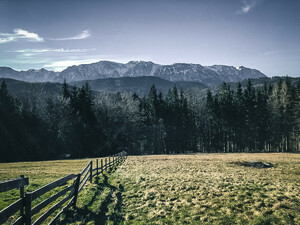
80,123
253,120
249,119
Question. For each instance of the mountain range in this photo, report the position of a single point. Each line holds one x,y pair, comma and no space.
207,75
31,75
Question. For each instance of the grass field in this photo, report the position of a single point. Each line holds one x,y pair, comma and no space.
40,174
196,189
179,189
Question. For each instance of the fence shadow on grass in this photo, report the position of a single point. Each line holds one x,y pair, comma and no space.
86,214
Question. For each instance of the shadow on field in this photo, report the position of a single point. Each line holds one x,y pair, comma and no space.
111,203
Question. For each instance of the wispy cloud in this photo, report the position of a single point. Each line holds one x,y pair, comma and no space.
62,64
83,35
247,6
284,51
20,34
59,50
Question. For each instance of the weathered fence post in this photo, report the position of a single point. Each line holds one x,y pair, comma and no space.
97,166
76,187
28,198
97,175
105,163
91,172
102,166
23,200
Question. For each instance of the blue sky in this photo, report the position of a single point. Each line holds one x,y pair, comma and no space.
261,34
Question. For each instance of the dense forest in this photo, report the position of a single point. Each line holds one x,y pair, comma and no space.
80,123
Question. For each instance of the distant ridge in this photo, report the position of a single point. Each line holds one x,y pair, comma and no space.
208,75
21,88
139,85
31,75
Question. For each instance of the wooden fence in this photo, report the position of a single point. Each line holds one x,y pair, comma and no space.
17,205
24,204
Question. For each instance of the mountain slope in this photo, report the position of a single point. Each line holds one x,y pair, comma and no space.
17,87
140,85
41,75
257,83
208,75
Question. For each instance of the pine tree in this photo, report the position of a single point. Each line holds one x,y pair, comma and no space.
65,91
275,118
239,122
286,108
249,103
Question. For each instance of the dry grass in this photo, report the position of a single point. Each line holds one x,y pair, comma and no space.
210,188
40,173
177,189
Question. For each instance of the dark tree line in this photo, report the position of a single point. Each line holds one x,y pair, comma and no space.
246,119
21,133
83,123
253,119
168,122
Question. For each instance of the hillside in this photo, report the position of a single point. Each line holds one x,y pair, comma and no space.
173,189
140,85
31,75
17,87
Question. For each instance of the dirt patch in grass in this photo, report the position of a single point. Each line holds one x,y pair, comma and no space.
256,164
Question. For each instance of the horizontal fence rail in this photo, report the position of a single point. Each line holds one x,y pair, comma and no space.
14,183
18,205
39,192
70,193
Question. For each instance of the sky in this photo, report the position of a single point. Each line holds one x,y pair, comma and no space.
55,34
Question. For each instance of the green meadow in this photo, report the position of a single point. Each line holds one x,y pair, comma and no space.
177,189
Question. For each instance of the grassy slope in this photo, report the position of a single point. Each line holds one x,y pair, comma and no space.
177,189
40,174
209,189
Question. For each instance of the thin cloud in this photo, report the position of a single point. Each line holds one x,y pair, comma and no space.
59,50
20,34
62,64
83,35
247,6
285,51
